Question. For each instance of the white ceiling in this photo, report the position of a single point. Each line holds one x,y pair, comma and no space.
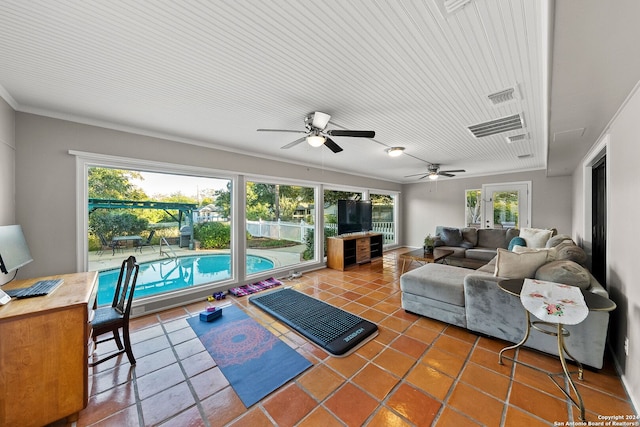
213,72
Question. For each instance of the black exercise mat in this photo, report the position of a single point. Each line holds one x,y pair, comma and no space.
333,329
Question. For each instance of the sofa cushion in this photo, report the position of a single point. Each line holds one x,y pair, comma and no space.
516,241
512,265
451,236
470,234
492,238
483,254
536,237
436,281
566,272
458,251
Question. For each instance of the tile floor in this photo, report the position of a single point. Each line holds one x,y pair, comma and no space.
417,372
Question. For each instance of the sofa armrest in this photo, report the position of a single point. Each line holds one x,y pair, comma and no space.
492,311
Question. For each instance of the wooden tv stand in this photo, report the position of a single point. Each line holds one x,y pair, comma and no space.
45,344
351,250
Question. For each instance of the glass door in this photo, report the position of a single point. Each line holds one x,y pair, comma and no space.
506,205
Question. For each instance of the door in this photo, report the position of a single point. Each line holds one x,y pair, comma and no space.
506,205
599,220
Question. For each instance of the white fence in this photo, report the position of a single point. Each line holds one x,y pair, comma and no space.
296,232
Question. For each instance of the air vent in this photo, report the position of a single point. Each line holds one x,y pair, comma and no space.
516,138
493,127
449,7
525,156
503,96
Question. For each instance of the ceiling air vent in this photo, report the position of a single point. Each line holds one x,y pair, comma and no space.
449,7
503,96
493,127
515,138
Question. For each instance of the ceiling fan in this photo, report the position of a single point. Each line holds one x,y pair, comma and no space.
317,134
435,172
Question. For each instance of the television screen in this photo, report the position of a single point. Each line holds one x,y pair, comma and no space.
14,252
354,216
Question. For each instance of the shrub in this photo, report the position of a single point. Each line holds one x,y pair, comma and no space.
309,242
213,235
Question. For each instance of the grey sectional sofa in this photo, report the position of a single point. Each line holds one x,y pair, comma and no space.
472,299
473,247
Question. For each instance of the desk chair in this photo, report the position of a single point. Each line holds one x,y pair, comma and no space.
116,316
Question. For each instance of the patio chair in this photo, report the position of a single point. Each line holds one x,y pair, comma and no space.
108,245
116,316
146,242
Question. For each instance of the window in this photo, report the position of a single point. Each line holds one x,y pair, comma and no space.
158,217
280,223
384,214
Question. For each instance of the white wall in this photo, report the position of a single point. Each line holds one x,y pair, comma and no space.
46,178
428,204
623,213
7,168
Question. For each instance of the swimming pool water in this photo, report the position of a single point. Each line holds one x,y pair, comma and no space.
156,277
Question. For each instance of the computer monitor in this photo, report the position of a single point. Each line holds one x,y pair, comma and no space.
14,252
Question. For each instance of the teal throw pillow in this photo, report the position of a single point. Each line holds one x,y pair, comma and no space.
516,241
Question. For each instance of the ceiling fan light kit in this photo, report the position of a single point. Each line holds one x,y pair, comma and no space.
315,140
395,151
316,135
433,176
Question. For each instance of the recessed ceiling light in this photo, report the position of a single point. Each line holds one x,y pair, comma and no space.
395,151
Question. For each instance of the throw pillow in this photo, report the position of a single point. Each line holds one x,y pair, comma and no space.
551,252
565,272
571,253
535,237
556,240
512,265
451,236
516,241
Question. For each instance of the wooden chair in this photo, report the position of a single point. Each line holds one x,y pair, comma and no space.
116,317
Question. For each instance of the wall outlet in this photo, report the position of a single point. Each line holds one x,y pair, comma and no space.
626,346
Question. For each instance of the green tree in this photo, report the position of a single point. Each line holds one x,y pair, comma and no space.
222,200
105,183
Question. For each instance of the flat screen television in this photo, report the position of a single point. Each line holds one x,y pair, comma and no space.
354,216
14,252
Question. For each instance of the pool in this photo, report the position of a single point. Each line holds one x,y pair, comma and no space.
156,277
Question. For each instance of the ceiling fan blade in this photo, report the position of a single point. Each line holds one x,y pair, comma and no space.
294,143
332,145
415,174
281,130
424,176
320,120
453,171
354,133
445,174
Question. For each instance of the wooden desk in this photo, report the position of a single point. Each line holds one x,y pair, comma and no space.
45,343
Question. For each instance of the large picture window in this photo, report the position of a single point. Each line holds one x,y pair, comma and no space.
280,224
161,219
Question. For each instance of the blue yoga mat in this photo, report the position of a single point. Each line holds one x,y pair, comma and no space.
254,361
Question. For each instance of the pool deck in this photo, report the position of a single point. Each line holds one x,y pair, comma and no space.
107,261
